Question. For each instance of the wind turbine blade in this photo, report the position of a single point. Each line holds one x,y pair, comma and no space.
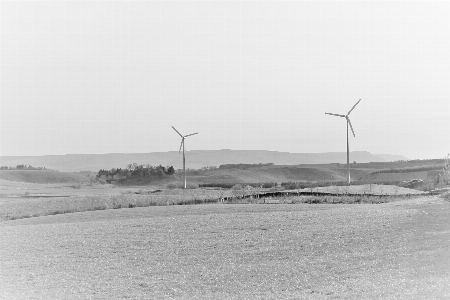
190,134
335,115
353,107
348,120
177,131
181,145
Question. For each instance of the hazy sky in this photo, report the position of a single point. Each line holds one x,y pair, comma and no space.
106,77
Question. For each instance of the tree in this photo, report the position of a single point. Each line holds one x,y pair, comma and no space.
170,170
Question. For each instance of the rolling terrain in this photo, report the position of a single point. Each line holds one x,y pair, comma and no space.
195,159
275,174
298,167
42,176
368,172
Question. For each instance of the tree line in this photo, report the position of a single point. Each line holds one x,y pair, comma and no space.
135,171
22,167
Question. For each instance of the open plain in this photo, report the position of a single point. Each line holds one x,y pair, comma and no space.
396,250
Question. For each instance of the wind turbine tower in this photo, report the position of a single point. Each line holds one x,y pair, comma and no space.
184,158
348,147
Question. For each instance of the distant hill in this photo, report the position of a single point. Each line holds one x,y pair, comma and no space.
194,159
277,174
42,176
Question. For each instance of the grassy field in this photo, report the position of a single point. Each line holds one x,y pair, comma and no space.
396,250
397,176
32,202
42,176
28,207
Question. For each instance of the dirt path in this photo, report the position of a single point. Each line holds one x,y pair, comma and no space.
398,250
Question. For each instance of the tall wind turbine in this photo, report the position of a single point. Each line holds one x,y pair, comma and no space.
184,158
348,147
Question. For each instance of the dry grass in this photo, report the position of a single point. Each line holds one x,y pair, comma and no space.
34,207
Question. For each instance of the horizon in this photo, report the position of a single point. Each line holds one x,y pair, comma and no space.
196,159
80,77
194,150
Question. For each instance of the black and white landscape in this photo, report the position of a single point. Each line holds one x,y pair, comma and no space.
224,149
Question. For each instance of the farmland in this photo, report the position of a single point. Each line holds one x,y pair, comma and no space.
373,172
41,176
81,239
392,250
18,200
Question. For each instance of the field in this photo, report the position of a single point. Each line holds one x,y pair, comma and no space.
77,239
373,172
42,176
19,200
212,251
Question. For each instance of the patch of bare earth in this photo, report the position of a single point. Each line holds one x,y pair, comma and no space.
397,250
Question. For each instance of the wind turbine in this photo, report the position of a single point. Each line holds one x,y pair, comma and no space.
184,158
348,147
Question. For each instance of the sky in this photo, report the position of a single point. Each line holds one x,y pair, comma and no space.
114,76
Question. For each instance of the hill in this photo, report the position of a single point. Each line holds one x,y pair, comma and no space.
370,172
275,174
194,159
45,176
